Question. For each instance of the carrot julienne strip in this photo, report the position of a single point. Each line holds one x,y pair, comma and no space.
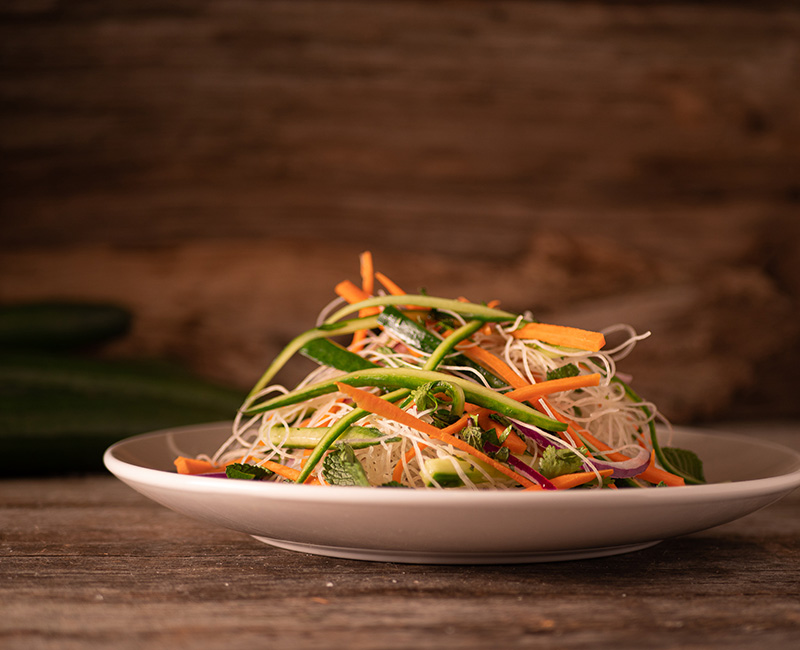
493,364
374,404
350,292
195,466
389,285
570,337
567,481
353,294
367,273
536,391
186,465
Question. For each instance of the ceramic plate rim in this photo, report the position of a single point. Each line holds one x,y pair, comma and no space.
758,486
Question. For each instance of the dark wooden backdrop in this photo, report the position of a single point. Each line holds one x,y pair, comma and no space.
217,166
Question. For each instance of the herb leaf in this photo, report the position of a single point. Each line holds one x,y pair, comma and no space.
341,467
685,461
475,436
247,471
442,412
568,370
556,461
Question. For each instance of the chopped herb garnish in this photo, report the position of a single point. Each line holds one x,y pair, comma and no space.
686,462
247,471
556,461
341,467
568,370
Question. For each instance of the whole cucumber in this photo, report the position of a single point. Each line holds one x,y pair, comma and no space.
59,413
60,325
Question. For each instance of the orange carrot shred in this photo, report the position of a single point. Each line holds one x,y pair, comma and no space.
389,285
536,391
515,444
494,364
570,337
286,472
186,465
367,273
350,292
567,481
375,404
655,475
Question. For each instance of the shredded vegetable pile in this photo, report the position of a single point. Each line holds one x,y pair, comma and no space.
417,391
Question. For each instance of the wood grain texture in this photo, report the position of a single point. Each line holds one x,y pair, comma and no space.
207,163
132,123
87,563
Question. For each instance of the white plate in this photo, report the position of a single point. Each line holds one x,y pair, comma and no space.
453,526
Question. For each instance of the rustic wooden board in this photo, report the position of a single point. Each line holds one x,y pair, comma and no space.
87,563
132,123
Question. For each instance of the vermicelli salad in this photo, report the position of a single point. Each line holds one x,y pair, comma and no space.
417,391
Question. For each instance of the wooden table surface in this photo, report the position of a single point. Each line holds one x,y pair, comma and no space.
85,562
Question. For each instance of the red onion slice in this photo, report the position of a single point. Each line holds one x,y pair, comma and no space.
626,468
533,434
522,466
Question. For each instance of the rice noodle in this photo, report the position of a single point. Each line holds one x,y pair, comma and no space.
604,410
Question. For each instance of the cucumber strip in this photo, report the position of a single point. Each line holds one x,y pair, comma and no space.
338,430
59,326
408,330
446,346
309,437
414,335
411,379
345,327
443,472
466,308
327,353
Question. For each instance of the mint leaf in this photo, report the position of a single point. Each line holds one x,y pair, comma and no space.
247,471
423,397
685,462
568,370
443,412
473,435
556,461
341,467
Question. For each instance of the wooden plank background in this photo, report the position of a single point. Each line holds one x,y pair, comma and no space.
217,166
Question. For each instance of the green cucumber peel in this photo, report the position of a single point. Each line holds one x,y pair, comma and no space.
338,430
407,330
327,353
446,346
309,437
391,378
444,304
294,346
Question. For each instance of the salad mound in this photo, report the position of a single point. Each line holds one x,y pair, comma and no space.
417,391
